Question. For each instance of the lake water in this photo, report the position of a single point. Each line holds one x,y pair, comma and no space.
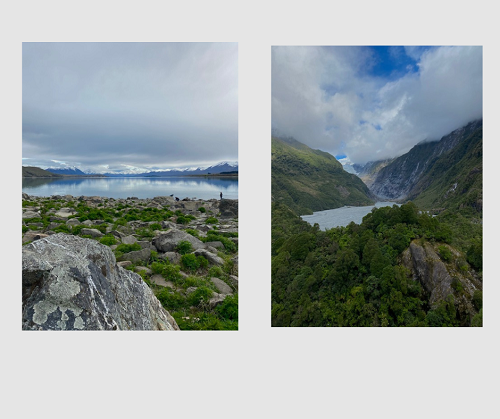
341,217
181,187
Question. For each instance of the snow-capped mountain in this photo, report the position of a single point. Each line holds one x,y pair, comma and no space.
347,164
221,167
128,170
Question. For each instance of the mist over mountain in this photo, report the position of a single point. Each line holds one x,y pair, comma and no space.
454,163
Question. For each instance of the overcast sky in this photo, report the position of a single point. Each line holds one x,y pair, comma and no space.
372,103
107,106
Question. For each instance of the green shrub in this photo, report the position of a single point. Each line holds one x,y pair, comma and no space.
445,253
211,220
62,228
477,320
477,299
155,226
228,309
144,232
75,230
193,232
475,254
184,247
171,300
171,272
215,271
108,240
120,222
202,209
203,263
182,220
202,294
157,267
215,236
457,285
25,229
190,262
101,228
126,248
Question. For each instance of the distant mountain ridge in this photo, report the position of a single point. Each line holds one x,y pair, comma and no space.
65,171
222,167
30,171
308,180
440,173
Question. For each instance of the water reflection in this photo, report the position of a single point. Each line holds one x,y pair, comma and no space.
203,188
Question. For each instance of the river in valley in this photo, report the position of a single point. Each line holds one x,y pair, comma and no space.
181,187
341,217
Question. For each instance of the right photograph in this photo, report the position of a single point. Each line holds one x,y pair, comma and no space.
377,186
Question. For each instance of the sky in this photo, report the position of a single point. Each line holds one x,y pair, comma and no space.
371,103
114,107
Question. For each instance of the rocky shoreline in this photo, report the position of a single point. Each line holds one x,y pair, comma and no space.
186,252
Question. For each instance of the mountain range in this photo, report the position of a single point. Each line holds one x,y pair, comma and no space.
222,167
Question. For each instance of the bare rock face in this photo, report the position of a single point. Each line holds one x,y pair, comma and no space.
71,283
441,279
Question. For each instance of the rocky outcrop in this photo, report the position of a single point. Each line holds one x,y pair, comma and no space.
72,283
228,208
440,279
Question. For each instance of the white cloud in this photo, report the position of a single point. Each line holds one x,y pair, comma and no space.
131,103
323,98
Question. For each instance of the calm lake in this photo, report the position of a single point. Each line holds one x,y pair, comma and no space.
341,217
181,187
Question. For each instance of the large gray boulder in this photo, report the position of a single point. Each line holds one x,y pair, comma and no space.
167,242
135,256
71,283
31,214
228,208
91,232
221,286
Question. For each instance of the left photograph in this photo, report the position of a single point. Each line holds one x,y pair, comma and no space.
130,186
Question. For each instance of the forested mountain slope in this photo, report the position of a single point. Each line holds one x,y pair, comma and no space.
308,180
455,180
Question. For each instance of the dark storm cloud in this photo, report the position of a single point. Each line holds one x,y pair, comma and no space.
139,104
328,97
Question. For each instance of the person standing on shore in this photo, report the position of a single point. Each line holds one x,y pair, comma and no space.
221,195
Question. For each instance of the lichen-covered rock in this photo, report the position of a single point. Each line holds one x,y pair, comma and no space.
71,283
